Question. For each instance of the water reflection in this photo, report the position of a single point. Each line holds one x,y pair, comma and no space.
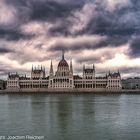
68,117
39,107
64,114
19,117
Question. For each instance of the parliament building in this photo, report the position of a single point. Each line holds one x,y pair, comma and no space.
63,79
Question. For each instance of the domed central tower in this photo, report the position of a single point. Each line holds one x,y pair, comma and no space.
63,77
63,62
63,67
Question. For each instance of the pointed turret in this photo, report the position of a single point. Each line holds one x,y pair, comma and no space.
51,69
63,55
118,71
83,67
93,67
106,75
109,73
71,68
43,69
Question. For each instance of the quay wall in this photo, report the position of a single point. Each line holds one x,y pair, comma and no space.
73,91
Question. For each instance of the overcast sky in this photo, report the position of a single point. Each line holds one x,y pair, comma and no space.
103,32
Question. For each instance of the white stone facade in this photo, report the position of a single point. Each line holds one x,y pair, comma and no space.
63,78
114,81
13,81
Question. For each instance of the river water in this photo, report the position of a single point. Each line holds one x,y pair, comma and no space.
71,117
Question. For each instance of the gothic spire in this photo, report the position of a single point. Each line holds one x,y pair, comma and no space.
62,54
93,67
109,73
51,69
83,67
118,72
71,68
106,74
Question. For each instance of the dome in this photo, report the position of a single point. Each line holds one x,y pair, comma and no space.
63,63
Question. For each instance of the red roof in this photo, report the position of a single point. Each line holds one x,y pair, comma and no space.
63,63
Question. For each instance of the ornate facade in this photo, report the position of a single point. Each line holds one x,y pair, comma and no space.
64,78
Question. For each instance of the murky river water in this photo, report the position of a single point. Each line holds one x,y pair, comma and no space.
71,117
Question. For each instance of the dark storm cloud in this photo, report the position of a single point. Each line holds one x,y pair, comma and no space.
106,27
5,71
117,25
130,71
5,50
59,46
11,34
122,21
114,41
44,9
60,30
89,60
51,11
104,22
95,58
135,46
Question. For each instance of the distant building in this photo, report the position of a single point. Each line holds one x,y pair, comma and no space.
131,83
2,84
64,78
